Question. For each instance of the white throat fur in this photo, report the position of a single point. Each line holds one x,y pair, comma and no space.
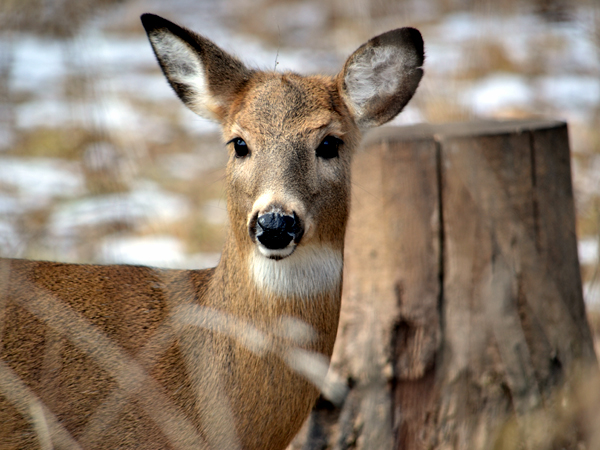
308,272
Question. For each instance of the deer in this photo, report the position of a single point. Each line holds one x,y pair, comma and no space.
233,357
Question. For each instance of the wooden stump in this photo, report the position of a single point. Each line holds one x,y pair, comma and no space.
463,324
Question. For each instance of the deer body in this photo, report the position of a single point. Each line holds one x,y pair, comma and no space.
227,358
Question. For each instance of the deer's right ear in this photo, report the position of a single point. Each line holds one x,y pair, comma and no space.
204,77
381,76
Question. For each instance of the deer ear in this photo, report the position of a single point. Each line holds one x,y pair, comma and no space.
204,77
381,76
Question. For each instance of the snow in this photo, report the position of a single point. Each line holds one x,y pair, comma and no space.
162,250
10,241
37,65
588,251
156,250
570,91
591,294
144,204
497,92
37,180
458,28
443,58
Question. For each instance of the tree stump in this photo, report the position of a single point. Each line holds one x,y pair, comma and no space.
463,324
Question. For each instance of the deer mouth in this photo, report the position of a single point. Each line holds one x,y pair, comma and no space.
278,254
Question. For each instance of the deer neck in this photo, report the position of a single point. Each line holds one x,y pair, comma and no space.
305,286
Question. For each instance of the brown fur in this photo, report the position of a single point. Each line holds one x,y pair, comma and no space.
104,357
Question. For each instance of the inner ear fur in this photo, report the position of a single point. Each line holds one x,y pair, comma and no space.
382,75
205,77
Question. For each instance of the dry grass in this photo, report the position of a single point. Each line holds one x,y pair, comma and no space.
65,143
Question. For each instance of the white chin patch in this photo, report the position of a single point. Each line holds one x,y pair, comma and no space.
305,272
277,254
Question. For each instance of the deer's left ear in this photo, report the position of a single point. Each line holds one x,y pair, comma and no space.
381,76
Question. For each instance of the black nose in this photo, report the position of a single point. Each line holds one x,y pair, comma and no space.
276,231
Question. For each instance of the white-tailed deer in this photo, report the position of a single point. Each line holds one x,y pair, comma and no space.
106,357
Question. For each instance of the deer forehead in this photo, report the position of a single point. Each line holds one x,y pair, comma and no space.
287,106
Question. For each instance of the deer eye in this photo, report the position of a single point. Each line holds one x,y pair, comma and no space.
328,148
240,147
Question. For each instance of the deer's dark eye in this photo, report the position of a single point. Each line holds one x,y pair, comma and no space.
328,148
240,147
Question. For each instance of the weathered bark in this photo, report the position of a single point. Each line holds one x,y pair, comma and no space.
463,324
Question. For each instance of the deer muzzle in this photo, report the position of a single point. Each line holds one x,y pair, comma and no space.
276,233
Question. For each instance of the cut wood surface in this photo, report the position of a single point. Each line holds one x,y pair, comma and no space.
463,323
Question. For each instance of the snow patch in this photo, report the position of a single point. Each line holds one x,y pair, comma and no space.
38,180
142,205
496,92
156,250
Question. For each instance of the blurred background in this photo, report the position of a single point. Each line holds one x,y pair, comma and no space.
101,163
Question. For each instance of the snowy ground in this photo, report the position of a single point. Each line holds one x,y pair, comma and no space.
143,173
